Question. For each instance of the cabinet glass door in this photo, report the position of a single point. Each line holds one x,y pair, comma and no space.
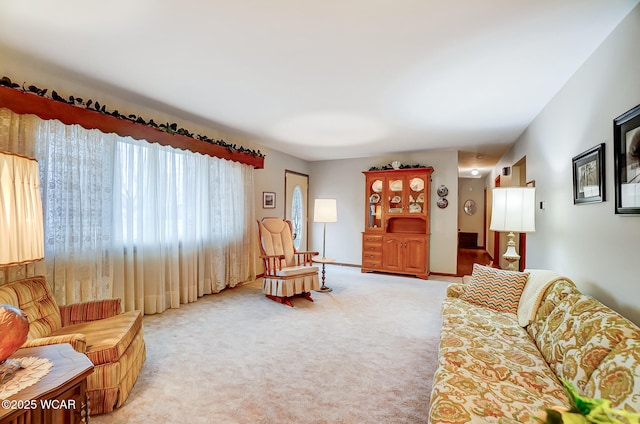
375,204
395,194
416,195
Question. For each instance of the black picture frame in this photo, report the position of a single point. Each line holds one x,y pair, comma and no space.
588,176
268,200
626,151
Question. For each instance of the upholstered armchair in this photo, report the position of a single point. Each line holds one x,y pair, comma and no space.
112,340
287,272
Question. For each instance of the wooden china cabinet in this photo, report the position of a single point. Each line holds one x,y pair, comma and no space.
396,235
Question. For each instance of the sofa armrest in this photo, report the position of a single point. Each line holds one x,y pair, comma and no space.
77,341
89,311
455,290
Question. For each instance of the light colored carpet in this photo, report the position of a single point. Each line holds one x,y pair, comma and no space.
364,353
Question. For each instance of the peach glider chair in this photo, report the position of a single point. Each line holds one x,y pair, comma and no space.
287,272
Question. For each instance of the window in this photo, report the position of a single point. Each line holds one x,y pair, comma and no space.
152,225
297,216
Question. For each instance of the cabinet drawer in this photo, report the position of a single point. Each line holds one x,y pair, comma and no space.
371,261
371,239
369,256
372,248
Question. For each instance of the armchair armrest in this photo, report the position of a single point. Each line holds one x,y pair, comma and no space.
77,341
89,311
455,290
303,258
272,263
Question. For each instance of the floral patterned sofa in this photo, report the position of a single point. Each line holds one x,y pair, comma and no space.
500,364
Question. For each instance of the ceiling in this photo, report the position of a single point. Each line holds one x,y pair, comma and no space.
325,79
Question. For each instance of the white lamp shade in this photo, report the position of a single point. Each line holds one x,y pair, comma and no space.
325,210
21,223
513,209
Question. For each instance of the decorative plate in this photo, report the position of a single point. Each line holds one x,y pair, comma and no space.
374,198
443,191
420,198
377,186
416,184
415,208
442,203
395,199
395,185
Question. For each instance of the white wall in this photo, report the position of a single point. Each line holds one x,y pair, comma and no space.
587,243
24,69
343,180
271,179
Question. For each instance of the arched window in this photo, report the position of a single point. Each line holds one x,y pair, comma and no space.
297,216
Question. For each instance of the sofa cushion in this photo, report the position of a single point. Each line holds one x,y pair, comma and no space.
578,334
554,294
489,370
33,297
108,338
534,291
617,378
296,270
493,288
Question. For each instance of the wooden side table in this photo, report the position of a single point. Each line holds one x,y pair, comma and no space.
323,261
59,397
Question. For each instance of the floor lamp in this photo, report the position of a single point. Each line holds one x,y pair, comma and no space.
22,241
324,210
513,210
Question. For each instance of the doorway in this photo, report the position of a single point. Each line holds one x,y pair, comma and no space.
296,206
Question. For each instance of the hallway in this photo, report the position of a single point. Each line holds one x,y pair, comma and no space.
467,257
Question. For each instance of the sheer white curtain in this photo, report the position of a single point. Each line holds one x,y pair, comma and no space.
77,190
182,225
153,225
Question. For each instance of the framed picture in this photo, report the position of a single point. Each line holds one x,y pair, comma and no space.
268,200
626,150
588,176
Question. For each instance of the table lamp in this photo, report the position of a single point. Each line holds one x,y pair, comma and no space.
513,210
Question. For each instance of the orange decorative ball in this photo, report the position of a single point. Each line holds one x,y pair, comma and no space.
14,327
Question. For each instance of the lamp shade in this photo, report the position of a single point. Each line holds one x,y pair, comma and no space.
21,223
325,210
513,209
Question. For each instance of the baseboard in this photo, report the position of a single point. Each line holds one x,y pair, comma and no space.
443,274
345,264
